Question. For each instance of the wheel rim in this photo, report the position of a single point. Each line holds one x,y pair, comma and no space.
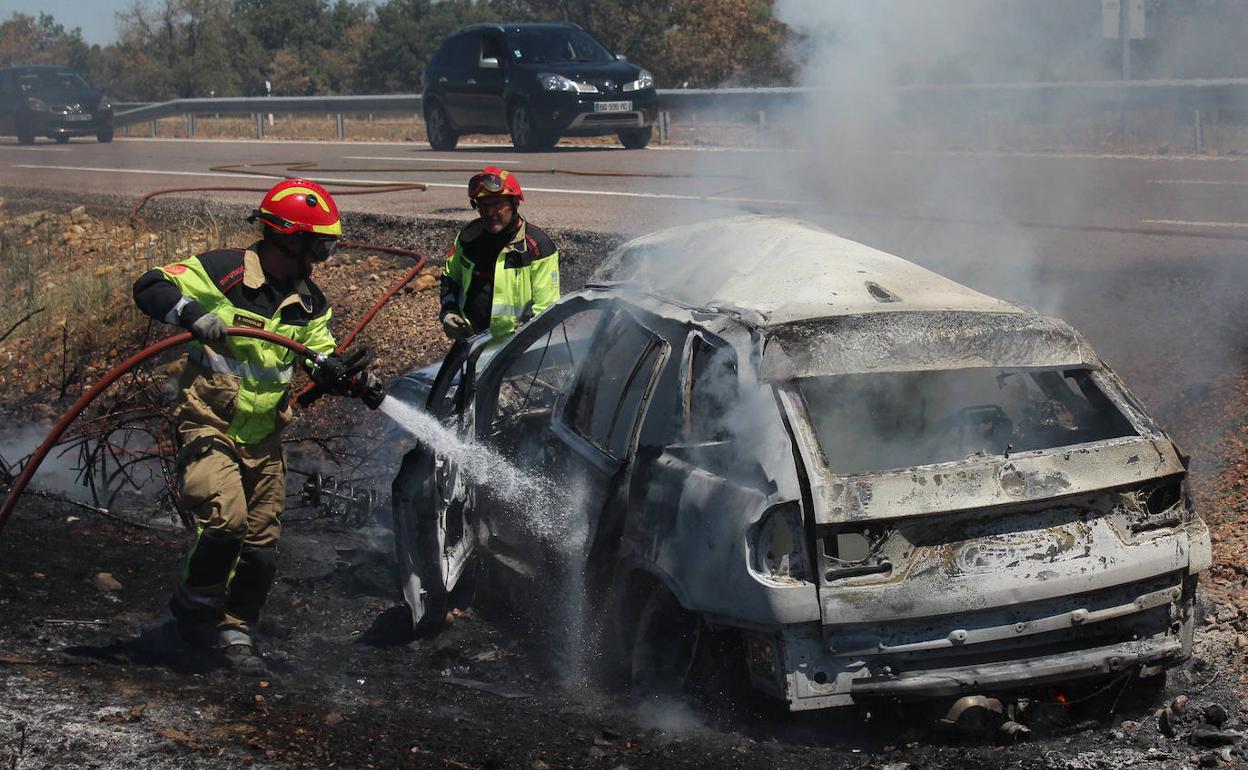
520,126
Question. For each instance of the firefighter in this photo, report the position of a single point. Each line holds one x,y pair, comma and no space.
235,400
502,269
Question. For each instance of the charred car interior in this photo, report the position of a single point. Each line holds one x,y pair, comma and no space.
879,482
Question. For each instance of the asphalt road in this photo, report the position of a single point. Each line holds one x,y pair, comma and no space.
631,192
1148,255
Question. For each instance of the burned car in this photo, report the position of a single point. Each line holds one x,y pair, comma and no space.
883,483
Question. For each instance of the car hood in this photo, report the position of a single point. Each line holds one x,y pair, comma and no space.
617,72
88,99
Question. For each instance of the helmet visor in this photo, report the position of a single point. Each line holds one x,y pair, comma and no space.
321,249
487,184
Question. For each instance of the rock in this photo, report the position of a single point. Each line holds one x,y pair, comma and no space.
79,216
1203,736
77,211
1165,722
1179,705
1241,642
1210,760
424,283
106,582
77,229
331,719
1129,726
1,203
1215,715
538,764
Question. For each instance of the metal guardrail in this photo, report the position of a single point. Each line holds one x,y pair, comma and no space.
1051,97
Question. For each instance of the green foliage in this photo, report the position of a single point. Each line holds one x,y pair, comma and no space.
200,48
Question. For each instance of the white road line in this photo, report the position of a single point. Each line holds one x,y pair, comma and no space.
1211,182
1185,223
337,180
427,160
34,149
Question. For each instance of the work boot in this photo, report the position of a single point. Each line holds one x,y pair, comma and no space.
197,629
243,659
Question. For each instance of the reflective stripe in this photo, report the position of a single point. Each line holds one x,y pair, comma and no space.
241,369
510,311
174,316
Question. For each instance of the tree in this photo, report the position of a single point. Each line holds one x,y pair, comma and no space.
183,48
27,40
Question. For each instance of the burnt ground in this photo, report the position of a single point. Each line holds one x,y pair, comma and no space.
93,677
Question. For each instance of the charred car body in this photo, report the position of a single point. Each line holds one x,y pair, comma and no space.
886,484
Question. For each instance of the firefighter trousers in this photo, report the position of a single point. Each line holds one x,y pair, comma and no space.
236,493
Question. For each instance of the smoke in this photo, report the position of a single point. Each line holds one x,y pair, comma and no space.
59,471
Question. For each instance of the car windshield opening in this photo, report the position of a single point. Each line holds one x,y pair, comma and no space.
556,46
881,421
36,82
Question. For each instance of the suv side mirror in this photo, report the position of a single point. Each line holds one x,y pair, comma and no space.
621,57
489,63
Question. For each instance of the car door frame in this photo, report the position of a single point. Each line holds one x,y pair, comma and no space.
487,86
8,102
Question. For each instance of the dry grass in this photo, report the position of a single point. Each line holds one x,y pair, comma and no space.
67,280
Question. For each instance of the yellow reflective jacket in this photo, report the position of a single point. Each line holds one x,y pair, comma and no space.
241,387
526,276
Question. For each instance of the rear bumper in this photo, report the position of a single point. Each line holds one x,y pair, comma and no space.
1098,634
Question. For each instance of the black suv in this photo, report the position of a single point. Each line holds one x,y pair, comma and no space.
537,81
54,102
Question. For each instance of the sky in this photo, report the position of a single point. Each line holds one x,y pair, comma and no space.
96,17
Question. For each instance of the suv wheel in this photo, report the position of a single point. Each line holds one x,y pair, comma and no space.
25,133
438,129
636,138
62,139
525,135
105,135
664,643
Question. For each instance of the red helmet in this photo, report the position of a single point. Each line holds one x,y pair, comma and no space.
494,181
299,206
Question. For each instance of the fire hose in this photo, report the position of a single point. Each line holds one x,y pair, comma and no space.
108,379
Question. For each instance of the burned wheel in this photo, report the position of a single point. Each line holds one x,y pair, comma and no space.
664,644
432,540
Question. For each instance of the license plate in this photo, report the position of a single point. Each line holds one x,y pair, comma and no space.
77,117
613,106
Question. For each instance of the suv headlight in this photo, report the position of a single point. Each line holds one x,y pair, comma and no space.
780,544
37,105
644,80
552,82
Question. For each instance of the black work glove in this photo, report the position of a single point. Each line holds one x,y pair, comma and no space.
456,327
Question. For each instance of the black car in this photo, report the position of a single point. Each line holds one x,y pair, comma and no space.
54,102
537,82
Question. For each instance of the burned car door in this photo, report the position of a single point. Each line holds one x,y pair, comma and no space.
566,401
517,399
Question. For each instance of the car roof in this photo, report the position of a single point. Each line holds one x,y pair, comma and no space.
783,270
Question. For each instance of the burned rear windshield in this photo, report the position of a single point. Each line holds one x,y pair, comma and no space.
875,422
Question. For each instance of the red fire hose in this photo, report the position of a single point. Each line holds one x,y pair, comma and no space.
108,379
